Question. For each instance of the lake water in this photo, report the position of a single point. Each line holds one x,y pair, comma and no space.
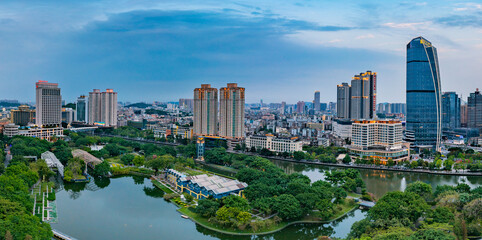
132,208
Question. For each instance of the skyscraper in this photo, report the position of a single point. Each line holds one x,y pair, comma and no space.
316,101
424,96
205,110
300,107
463,115
231,112
363,96
343,101
109,107
450,110
102,108
474,110
81,108
48,111
23,115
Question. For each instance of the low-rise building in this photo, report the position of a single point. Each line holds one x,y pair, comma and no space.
203,186
274,144
342,128
42,133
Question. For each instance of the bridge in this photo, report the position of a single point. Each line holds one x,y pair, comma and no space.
61,236
83,129
53,162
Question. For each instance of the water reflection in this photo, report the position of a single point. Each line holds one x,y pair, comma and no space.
380,182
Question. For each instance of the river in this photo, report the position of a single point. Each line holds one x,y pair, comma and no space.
132,208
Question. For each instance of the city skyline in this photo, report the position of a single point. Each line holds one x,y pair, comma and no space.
303,49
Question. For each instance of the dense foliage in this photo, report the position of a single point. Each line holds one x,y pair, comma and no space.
449,212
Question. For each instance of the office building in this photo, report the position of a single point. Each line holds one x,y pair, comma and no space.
81,109
48,104
68,115
274,144
343,101
316,101
450,110
363,96
378,139
424,96
342,128
23,115
11,130
205,110
231,111
463,115
474,110
102,108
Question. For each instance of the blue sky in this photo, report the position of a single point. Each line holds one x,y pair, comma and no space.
278,50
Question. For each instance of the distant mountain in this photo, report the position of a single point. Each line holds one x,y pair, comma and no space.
139,105
9,104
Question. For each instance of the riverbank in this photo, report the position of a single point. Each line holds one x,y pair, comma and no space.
347,206
276,228
365,166
317,163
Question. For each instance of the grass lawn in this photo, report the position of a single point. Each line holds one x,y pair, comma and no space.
345,207
114,159
355,195
161,186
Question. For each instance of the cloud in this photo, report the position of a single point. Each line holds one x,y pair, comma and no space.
467,20
365,36
412,25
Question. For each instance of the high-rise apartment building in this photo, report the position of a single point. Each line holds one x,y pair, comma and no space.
343,101
102,108
231,111
187,104
300,107
450,110
363,96
48,105
474,110
316,101
205,110
23,115
424,96
81,109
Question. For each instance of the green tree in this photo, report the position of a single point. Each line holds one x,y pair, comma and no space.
207,208
431,234
298,155
347,159
422,189
238,202
243,217
288,207
127,159
102,169
399,206
442,215
138,161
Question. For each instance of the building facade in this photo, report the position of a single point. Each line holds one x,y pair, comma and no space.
343,99
48,104
316,101
81,109
379,139
474,110
363,96
23,115
274,144
102,108
231,112
205,110
450,110
424,96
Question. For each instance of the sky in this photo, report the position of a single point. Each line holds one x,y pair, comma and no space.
278,50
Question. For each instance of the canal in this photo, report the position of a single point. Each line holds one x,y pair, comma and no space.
132,208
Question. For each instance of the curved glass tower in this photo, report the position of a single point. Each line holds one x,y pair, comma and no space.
424,96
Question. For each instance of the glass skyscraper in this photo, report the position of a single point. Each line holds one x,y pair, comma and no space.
450,111
424,96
